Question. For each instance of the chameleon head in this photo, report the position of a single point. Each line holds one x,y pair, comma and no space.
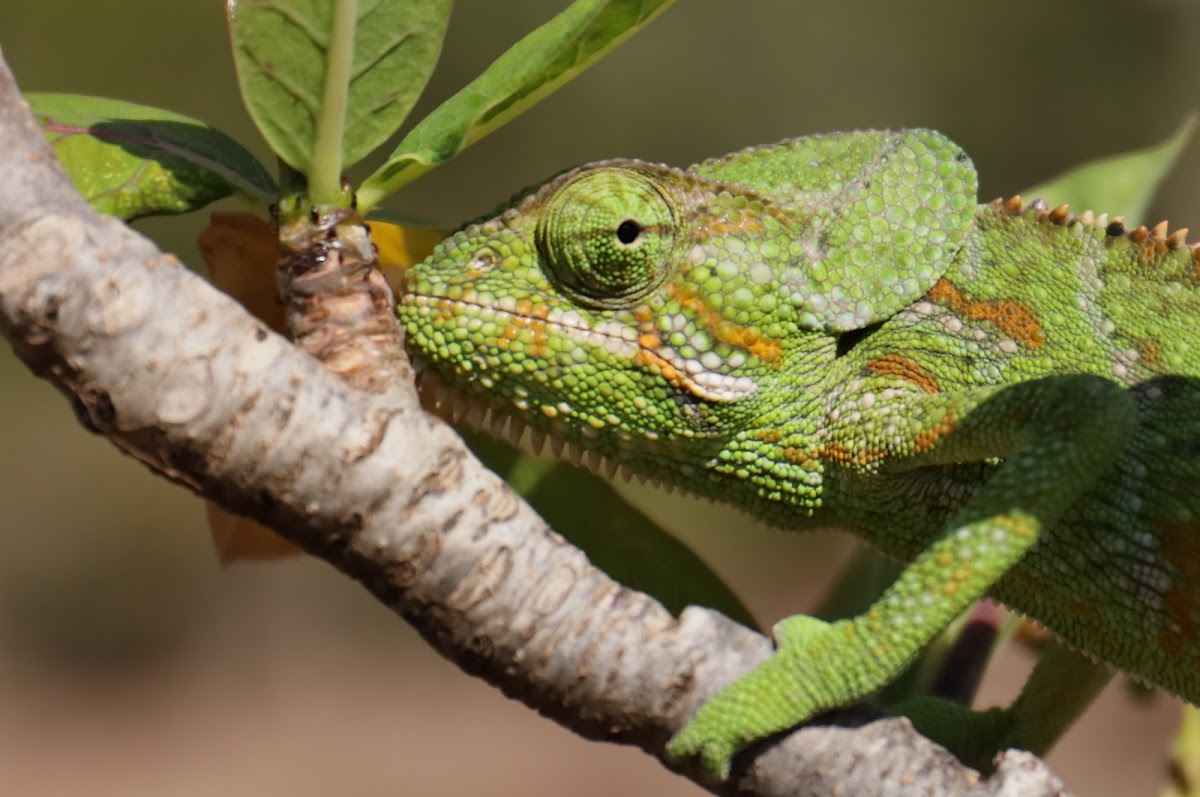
681,320
624,303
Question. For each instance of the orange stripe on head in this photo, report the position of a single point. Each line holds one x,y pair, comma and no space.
531,317
648,357
746,221
767,350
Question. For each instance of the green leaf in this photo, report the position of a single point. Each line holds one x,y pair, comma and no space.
327,82
617,538
131,161
1122,185
521,77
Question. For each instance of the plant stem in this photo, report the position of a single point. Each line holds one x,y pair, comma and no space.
325,181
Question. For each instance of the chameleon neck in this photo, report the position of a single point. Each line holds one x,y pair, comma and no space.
773,468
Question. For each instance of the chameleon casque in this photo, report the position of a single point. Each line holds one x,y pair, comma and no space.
830,331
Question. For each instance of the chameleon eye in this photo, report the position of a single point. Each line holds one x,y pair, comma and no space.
628,232
606,237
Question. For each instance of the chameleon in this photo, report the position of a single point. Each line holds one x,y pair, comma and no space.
832,331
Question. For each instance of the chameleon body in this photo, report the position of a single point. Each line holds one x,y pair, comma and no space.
830,331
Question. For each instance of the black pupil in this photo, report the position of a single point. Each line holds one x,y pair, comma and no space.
628,231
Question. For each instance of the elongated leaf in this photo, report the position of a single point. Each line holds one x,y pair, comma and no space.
528,72
617,538
1122,185
131,161
302,71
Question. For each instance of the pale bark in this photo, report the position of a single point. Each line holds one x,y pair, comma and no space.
177,375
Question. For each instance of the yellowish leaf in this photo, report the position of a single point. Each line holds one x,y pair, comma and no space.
401,247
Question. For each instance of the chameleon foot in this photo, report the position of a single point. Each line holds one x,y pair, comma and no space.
807,674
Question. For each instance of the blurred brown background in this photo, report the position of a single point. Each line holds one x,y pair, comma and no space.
130,665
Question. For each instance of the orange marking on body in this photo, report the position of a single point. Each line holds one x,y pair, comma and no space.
1010,316
767,350
800,456
924,441
903,368
836,452
769,435
957,579
928,438
1181,542
1149,350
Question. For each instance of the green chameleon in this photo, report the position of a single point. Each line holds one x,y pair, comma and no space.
830,331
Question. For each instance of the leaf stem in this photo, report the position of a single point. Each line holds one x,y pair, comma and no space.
325,181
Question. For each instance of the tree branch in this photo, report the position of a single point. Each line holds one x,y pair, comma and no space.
177,375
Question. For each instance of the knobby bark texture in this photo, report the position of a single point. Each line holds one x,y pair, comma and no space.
177,375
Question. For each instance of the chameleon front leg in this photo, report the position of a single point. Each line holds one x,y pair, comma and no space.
1057,437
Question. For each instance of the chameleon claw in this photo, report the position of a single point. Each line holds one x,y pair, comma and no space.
715,756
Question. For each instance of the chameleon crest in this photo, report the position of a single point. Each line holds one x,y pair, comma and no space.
829,331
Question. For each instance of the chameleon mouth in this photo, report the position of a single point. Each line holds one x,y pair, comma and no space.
499,421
